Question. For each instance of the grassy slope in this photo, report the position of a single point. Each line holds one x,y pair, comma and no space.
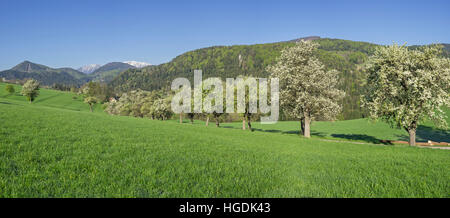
55,152
50,98
361,130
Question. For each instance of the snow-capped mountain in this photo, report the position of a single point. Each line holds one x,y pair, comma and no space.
137,64
89,68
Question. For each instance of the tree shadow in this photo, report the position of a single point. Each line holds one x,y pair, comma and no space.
425,133
296,132
313,133
4,102
267,130
228,127
318,134
49,97
362,137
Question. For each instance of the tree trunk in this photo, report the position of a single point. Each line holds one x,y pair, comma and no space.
249,123
302,126
412,137
181,118
90,107
243,123
217,122
191,117
207,120
307,133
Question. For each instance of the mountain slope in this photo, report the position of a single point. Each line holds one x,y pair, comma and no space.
48,76
87,69
30,67
107,72
231,61
137,64
44,74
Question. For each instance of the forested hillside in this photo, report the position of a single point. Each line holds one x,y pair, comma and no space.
231,61
107,72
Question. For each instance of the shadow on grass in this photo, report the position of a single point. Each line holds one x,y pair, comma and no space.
313,133
361,137
295,132
291,132
228,127
267,130
425,133
4,102
49,97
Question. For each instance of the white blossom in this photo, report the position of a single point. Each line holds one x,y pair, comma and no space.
307,90
405,86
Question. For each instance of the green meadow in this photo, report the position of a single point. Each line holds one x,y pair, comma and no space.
358,130
55,147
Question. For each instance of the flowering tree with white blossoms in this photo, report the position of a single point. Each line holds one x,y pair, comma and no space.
89,96
307,90
405,86
161,109
31,90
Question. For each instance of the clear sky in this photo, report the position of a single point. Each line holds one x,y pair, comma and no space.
63,33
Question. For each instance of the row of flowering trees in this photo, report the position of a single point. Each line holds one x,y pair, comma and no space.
140,103
404,87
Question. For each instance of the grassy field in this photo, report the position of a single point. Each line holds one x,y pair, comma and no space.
50,98
56,148
361,130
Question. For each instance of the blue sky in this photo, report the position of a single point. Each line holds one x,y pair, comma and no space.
67,33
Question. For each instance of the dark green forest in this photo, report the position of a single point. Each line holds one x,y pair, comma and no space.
346,56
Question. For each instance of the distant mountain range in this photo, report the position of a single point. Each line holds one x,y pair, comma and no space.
90,68
107,72
137,64
68,76
87,69
44,74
